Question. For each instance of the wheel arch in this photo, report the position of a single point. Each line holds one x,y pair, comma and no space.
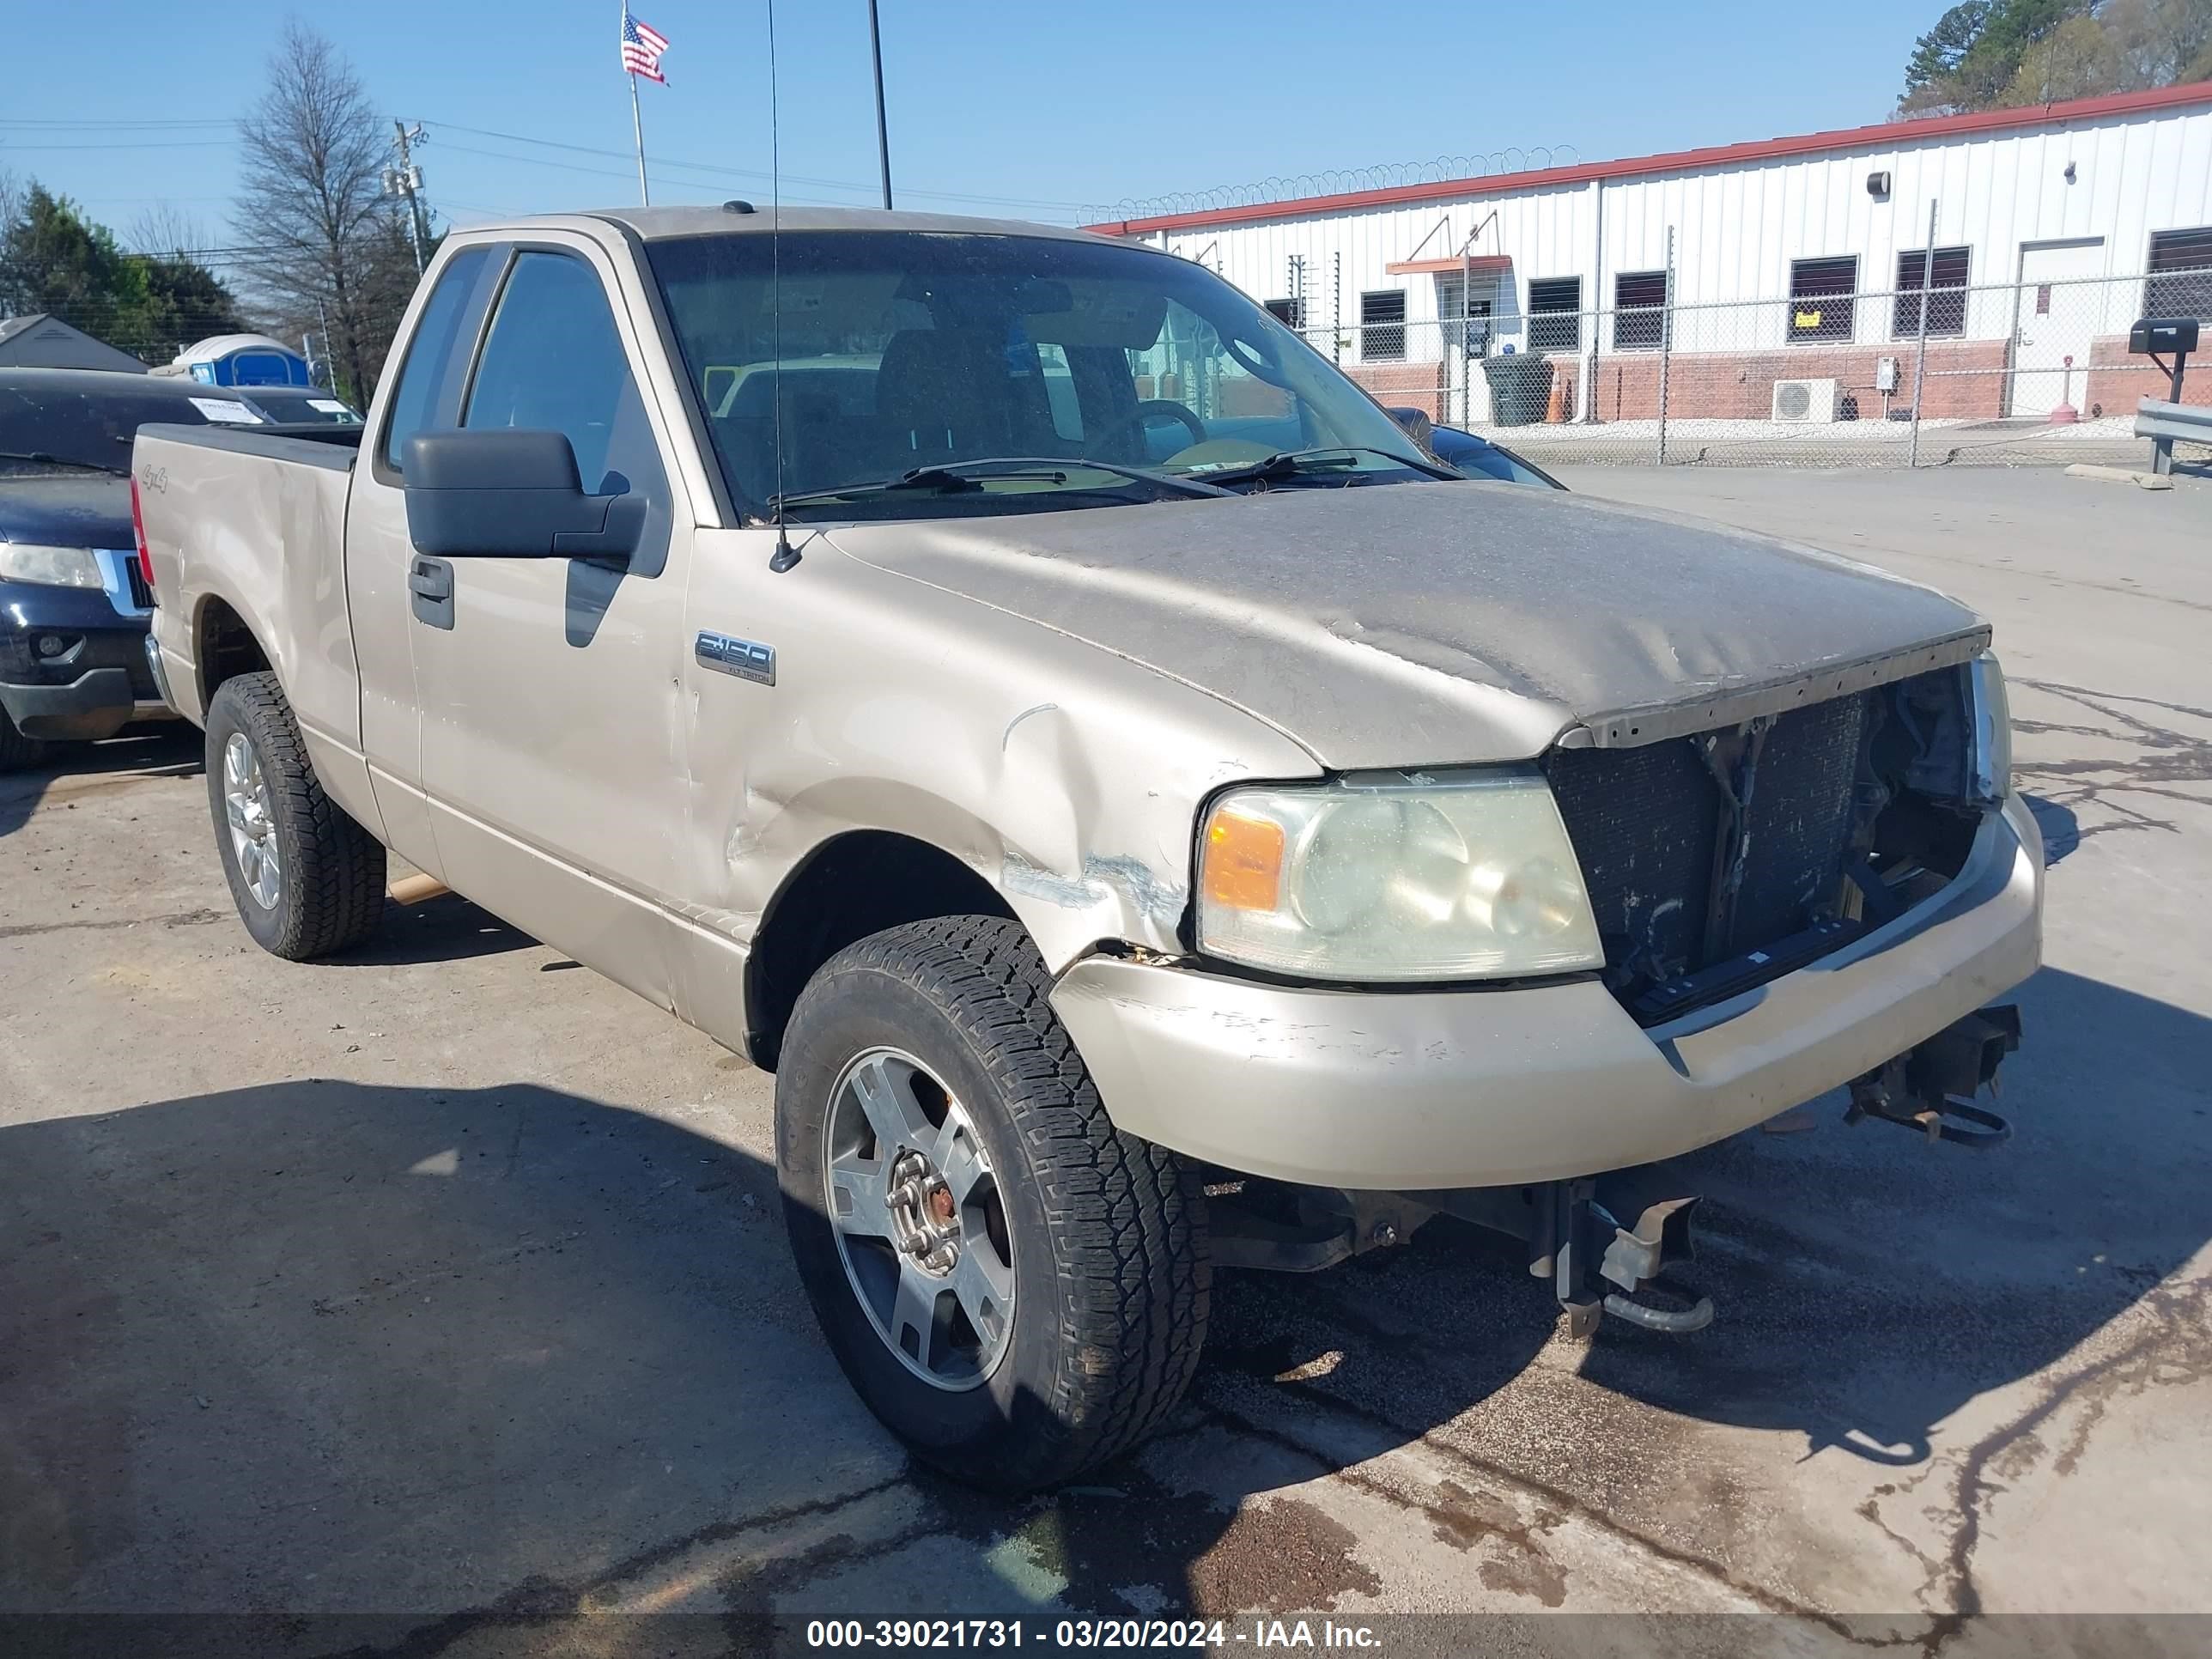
852,884
224,646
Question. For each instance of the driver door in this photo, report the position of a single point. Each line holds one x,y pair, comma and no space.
549,688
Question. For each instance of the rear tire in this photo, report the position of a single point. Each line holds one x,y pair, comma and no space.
1101,1236
307,881
17,752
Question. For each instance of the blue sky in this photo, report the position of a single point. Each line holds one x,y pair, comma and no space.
1041,107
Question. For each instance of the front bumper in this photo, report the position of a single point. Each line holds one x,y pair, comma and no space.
1398,1092
100,681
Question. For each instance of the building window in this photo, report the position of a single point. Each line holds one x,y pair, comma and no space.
1822,293
2180,280
1947,294
1291,314
1382,326
1639,314
1555,314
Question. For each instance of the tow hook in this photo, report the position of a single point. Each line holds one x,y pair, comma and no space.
1932,1088
1597,1262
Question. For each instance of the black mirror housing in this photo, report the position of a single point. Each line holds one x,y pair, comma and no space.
1415,424
501,493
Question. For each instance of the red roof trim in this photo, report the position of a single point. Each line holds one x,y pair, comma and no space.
1683,161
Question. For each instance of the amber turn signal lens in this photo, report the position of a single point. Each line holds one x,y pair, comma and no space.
1243,862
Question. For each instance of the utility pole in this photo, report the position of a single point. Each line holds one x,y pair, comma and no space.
883,131
406,180
1920,358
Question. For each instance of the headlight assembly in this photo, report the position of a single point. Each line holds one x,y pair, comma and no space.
50,567
1394,876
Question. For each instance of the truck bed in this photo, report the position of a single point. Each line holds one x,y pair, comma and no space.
253,519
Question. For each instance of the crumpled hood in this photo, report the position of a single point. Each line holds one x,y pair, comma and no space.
1420,624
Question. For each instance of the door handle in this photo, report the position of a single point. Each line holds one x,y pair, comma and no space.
430,590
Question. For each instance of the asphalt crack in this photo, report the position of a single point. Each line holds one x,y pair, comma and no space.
2173,758
538,1599
1563,1502
180,919
2155,1357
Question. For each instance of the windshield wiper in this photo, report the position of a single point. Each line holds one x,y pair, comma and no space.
954,477
1295,463
45,458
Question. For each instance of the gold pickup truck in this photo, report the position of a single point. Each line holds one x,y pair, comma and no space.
1146,812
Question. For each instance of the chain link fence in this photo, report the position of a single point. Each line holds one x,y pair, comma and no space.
2007,374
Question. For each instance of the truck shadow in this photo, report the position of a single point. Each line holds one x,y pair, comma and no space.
485,1358
165,749
447,928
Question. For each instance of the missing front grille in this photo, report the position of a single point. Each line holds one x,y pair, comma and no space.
1723,857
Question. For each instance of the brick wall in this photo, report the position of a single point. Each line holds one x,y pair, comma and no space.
1411,386
1740,385
2118,379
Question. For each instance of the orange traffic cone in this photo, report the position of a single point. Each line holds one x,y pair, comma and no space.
1556,411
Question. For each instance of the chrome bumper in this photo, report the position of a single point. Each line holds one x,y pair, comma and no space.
154,666
1394,1092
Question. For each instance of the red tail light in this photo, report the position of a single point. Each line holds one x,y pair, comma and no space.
138,531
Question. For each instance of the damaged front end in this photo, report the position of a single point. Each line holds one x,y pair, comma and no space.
1605,1242
1718,860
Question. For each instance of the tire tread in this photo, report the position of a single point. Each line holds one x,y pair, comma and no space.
1128,1215
336,875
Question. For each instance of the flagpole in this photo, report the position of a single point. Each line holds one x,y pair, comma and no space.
637,126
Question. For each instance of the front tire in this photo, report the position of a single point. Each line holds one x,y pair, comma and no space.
1016,1288
307,881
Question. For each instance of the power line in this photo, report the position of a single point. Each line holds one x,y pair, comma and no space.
721,171
149,143
107,126
661,167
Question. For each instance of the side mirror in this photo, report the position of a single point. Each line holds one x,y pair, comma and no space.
498,493
1416,425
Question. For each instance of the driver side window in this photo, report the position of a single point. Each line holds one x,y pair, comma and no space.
554,361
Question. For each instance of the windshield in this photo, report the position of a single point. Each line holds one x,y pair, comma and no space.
301,406
79,428
911,349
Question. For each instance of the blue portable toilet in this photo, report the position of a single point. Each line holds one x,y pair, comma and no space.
242,360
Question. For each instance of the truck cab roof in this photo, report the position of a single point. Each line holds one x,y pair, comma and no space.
667,223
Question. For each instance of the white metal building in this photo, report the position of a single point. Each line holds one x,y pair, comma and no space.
2055,228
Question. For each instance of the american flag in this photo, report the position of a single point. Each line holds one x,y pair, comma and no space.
642,48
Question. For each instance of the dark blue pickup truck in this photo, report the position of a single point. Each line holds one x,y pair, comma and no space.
73,599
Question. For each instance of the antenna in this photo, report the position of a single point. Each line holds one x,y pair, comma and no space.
786,555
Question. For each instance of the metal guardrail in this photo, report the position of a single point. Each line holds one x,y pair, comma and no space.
2165,424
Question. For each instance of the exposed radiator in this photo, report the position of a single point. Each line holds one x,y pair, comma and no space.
1645,823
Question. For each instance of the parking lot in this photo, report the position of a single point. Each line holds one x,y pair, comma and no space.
443,1286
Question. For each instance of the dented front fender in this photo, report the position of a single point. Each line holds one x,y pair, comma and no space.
1067,777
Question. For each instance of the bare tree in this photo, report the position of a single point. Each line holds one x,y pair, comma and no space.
312,208
13,195
166,230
